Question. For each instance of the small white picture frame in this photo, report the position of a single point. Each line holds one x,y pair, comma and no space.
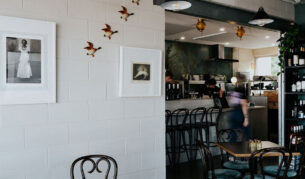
140,72
27,61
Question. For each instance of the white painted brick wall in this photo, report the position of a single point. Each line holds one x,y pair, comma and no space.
41,141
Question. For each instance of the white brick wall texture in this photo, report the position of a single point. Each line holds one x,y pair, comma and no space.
41,141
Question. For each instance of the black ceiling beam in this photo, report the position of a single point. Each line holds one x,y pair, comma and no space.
220,12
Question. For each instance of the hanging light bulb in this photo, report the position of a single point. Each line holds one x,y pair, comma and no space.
200,25
240,31
176,5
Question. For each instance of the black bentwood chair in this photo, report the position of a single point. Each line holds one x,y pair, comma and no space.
209,172
227,135
259,155
96,161
212,119
296,144
176,130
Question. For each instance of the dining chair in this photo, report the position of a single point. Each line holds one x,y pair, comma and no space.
95,163
259,157
209,172
296,144
226,135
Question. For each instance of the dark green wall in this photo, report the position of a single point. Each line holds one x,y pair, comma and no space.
188,58
300,14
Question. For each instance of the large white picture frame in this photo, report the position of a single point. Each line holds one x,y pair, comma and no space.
27,61
140,72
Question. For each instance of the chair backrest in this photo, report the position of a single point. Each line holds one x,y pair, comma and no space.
179,117
297,144
284,157
197,115
168,115
96,161
230,135
207,160
213,115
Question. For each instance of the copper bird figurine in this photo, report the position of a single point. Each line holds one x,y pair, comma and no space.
108,31
125,14
91,50
136,1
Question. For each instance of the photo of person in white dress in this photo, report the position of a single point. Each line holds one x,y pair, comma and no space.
24,67
23,60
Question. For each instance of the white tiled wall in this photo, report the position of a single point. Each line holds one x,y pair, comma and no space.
41,141
273,7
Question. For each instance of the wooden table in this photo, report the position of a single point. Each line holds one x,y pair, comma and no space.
242,149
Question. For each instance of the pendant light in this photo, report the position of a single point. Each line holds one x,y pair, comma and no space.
200,25
176,5
261,18
240,32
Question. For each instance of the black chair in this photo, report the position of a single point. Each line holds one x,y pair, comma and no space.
176,131
227,135
96,161
212,119
169,130
296,144
260,155
209,172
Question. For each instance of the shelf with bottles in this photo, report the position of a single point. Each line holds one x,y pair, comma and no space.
295,82
173,91
295,58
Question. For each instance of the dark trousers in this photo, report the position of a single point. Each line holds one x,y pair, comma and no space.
236,120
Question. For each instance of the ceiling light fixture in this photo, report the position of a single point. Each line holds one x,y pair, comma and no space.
222,29
209,35
267,37
227,43
200,25
182,38
261,18
240,32
176,5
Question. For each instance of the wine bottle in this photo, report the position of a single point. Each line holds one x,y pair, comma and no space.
168,91
294,110
301,57
299,84
300,110
295,58
178,91
293,87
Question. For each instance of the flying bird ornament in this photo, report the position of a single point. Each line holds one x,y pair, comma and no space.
124,13
91,50
136,1
108,31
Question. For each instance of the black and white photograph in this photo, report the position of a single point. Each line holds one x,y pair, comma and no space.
141,72
23,63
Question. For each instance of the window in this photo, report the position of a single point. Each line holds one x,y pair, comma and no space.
267,66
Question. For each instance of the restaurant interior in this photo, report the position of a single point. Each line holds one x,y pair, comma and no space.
152,89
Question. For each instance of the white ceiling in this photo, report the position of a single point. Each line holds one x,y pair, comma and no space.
178,25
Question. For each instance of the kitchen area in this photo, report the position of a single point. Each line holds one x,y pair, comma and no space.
201,53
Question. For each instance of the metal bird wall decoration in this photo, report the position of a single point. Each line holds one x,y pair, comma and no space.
136,1
124,13
108,31
91,50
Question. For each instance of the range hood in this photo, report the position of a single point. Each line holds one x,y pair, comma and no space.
220,55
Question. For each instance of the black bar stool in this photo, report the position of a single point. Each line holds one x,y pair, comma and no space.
194,129
169,130
176,132
212,119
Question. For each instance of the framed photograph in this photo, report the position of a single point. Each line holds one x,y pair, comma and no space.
27,61
140,72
